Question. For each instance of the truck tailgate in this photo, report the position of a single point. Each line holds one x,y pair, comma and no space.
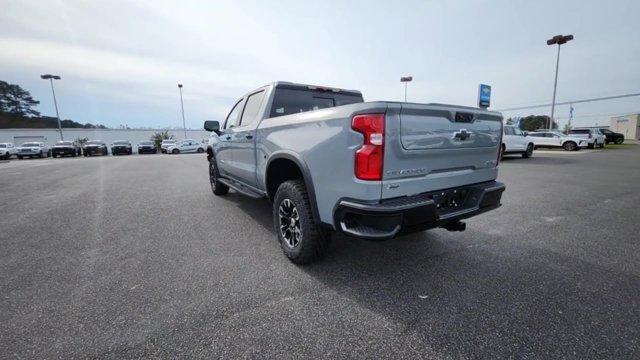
431,147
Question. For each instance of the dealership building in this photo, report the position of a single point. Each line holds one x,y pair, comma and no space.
628,125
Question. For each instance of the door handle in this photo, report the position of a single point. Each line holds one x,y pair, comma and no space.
249,137
228,137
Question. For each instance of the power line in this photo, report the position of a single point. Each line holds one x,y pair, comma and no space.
573,102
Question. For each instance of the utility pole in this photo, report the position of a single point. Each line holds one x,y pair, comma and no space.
406,80
184,126
55,103
559,40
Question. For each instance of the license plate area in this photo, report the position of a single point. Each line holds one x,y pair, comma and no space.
447,201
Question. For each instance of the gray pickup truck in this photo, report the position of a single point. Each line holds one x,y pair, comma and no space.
331,162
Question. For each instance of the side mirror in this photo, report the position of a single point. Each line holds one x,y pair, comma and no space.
524,133
212,126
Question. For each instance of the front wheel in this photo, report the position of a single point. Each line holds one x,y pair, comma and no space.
570,146
300,237
200,150
19,157
175,151
217,187
41,155
527,154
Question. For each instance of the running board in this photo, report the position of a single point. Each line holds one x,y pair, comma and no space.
241,188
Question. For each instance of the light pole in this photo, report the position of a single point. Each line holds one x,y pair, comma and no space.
55,103
405,80
184,126
558,39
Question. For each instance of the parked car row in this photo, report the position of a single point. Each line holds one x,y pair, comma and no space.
516,141
97,147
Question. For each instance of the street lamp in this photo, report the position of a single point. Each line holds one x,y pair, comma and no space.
405,80
558,39
55,103
182,107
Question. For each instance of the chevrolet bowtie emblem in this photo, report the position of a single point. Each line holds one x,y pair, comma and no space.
463,134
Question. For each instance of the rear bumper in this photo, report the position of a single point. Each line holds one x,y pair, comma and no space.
393,217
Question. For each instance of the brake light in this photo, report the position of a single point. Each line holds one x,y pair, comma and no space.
369,158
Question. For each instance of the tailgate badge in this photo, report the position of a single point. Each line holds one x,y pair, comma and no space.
462,135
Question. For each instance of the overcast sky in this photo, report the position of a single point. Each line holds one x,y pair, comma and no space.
121,61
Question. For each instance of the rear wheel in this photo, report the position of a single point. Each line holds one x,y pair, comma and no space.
527,154
602,146
301,239
217,187
19,157
619,141
570,146
41,155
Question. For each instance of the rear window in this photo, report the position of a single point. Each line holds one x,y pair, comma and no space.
580,131
287,101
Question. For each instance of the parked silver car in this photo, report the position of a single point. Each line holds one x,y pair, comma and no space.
33,149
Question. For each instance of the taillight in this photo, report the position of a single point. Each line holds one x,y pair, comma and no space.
369,158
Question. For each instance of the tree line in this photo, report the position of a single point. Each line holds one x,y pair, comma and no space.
18,110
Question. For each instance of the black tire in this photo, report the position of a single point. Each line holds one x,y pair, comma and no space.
503,148
19,157
618,141
41,155
570,146
602,145
217,187
312,241
591,146
175,151
200,150
527,154
54,155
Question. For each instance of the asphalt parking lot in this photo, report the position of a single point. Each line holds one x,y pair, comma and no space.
125,257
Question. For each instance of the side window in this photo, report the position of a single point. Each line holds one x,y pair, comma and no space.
233,118
508,130
517,131
250,114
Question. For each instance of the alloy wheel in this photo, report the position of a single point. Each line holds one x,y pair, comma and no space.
289,223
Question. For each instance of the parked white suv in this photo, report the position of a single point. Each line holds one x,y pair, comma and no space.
556,139
594,137
7,150
515,141
33,149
